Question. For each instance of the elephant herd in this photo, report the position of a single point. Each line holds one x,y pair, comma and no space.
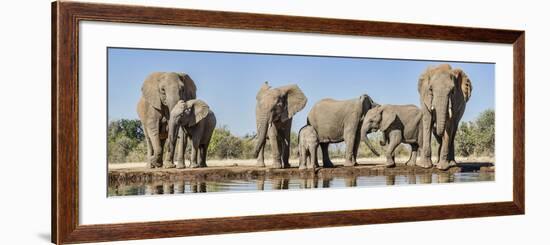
169,111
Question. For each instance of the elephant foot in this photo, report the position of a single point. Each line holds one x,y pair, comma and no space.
349,164
389,165
302,167
168,165
443,165
328,164
180,165
276,166
260,164
452,163
424,162
194,165
410,163
149,165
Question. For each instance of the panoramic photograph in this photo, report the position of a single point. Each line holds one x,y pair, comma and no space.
184,122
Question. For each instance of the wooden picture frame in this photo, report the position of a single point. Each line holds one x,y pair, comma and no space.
65,121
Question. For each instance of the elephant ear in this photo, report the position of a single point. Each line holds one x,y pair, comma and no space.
265,87
150,90
200,110
189,87
388,117
463,83
295,100
423,87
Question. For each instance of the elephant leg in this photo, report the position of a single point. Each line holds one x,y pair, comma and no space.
394,140
168,163
181,149
200,155
275,147
414,151
156,157
425,160
302,159
326,160
204,153
260,161
444,163
285,141
356,148
349,140
439,140
313,157
149,149
194,152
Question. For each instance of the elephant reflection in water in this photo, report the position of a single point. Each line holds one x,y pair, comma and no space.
260,184
155,188
280,184
309,182
390,179
350,181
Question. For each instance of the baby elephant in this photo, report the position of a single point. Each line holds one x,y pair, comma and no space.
399,124
198,121
307,144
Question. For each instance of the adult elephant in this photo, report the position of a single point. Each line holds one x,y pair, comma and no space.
340,120
159,94
275,108
444,92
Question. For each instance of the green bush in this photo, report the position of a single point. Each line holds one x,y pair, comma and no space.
477,138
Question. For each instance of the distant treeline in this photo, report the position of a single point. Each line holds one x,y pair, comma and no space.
126,142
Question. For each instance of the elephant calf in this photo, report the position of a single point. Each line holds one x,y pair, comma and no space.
198,121
399,124
307,147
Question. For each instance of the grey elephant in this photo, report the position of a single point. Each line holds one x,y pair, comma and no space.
159,94
443,95
275,108
307,147
198,121
340,120
398,124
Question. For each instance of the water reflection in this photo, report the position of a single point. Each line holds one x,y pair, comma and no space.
309,182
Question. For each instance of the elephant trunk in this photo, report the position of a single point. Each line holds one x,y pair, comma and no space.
173,130
263,124
441,116
364,132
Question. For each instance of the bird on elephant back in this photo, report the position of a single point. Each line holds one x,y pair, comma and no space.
160,92
340,120
444,92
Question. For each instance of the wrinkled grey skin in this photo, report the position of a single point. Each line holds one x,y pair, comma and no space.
307,144
275,108
443,95
398,124
198,121
159,94
340,120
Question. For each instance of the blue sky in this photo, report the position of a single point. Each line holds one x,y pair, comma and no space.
228,82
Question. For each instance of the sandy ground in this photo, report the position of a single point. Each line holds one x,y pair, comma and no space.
293,162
